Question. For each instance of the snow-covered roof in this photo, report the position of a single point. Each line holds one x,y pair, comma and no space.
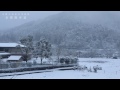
4,53
14,57
10,45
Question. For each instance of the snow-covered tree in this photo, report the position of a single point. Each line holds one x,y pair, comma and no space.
43,49
35,52
28,43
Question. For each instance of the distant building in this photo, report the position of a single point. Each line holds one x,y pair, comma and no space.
4,54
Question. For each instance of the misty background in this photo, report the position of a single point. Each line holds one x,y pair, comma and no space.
70,30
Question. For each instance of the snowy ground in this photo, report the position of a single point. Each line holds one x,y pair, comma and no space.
110,70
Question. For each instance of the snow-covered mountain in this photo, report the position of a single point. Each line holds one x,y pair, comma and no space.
79,29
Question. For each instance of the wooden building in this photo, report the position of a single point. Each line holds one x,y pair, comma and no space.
12,48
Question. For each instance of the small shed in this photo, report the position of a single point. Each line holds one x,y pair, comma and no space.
15,59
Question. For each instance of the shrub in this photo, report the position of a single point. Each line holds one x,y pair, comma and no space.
114,57
29,64
62,60
14,65
23,64
34,62
95,70
67,61
74,61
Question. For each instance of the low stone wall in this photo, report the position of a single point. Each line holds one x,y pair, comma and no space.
11,70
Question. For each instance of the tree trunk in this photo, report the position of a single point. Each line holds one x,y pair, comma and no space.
58,59
25,58
41,60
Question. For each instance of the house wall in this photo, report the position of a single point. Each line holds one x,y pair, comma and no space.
15,51
12,50
5,56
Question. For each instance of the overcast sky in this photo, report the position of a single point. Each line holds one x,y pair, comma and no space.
9,19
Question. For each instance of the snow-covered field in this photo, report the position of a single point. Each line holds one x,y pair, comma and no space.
110,70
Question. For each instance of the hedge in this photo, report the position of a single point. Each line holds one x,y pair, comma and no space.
31,68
